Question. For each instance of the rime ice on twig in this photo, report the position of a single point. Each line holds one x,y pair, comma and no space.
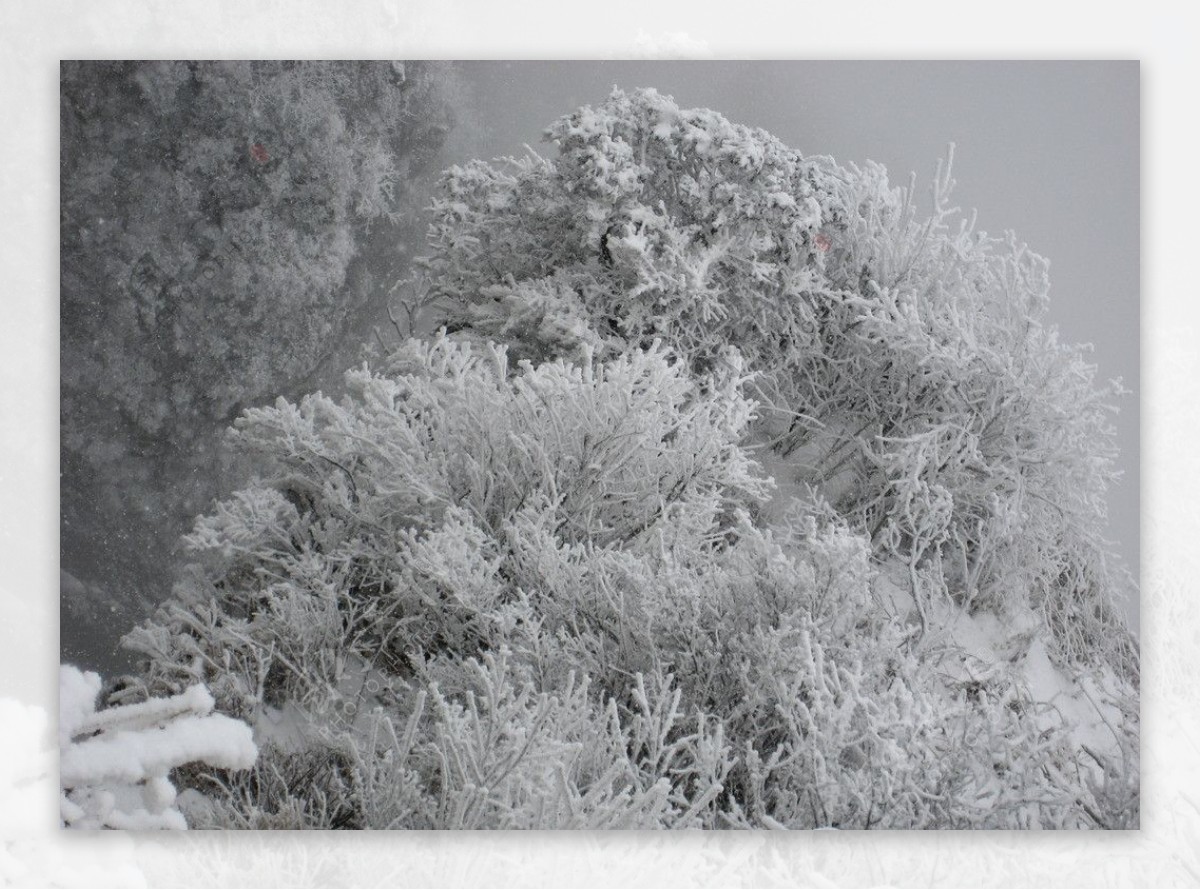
114,763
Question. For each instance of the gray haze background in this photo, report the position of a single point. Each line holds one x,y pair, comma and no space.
1049,150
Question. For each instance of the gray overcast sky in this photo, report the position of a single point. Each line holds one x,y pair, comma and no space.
1047,149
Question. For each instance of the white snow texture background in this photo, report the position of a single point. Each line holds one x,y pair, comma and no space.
32,852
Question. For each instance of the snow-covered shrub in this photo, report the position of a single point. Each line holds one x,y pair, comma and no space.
445,509
478,595
115,763
214,219
531,572
903,359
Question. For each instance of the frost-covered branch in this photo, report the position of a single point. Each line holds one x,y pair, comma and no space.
114,764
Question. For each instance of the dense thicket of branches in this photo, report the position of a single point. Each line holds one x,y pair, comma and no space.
906,368
532,571
211,214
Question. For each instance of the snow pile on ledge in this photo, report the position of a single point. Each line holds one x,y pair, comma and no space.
970,647
114,763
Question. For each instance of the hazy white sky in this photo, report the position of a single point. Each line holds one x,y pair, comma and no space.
1047,149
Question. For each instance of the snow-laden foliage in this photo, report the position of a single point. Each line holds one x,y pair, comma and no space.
533,572
903,358
114,763
475,594
211,217
437,516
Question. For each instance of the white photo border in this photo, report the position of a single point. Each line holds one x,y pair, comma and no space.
36,35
